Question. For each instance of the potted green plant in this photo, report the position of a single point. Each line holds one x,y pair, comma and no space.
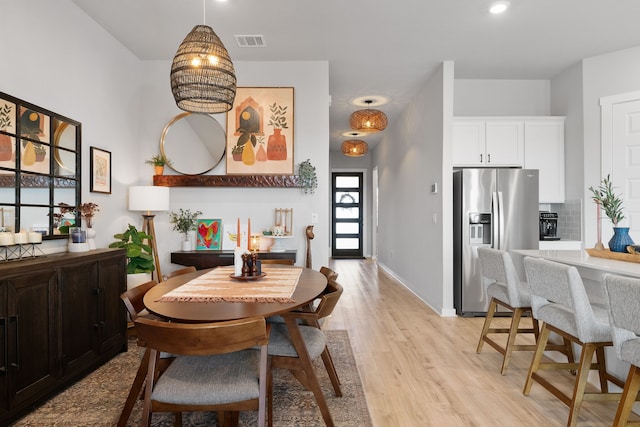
307,176
611,204
139,255
184,221
158,162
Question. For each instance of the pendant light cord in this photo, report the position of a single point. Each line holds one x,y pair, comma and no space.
204,12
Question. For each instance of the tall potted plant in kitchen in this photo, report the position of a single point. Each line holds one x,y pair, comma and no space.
611,204
184,221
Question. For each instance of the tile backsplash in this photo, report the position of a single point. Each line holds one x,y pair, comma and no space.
569,218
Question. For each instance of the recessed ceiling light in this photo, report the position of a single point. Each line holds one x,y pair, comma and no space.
499,7
354,134
370,101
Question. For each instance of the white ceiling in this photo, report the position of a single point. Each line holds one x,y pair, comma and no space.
386,48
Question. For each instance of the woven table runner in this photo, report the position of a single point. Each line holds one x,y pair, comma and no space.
216,286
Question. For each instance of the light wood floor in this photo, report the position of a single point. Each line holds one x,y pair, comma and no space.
419,369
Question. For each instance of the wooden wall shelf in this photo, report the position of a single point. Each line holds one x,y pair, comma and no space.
288,181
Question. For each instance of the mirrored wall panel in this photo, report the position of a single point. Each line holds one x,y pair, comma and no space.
39,168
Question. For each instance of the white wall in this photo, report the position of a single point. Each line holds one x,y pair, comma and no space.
311,132
486,97
61,60
566,100
409,159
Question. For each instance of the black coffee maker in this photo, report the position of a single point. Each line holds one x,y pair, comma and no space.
549,226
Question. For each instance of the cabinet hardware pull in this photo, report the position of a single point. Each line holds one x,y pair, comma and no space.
3,369
17,343
480,158
488,158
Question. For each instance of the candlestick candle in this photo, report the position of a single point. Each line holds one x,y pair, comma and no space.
20,238
35,237
249,234
238,234
6,239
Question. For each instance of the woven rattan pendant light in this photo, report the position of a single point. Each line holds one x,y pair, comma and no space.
355,148
203,79
368,120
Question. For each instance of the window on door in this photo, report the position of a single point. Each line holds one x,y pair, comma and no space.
347,215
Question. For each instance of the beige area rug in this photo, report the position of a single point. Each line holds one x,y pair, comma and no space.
97,399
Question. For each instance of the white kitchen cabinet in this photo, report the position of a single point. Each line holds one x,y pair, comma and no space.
532,142
544,150
488,142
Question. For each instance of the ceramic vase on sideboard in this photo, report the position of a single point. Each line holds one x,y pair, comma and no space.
620,239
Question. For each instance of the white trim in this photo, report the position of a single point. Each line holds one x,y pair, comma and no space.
606,127
443,312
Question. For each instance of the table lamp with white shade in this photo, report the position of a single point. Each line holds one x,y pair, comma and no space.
148,198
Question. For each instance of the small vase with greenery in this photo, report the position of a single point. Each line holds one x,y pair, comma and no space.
184,221
159,161
611,204
308,177
139,255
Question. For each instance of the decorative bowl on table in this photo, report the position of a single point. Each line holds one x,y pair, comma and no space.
247,278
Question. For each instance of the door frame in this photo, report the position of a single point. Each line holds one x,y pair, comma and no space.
366,208
606,127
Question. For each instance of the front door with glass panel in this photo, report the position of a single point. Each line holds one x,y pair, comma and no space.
347,214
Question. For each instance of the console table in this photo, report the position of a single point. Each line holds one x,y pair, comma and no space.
208,259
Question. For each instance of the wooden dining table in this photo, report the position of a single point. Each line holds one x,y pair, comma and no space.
310,285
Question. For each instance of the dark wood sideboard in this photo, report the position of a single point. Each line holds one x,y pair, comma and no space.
210,259
60,318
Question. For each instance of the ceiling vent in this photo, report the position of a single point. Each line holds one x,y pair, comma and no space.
250,41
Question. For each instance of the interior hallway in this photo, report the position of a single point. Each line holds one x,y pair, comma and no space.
419,369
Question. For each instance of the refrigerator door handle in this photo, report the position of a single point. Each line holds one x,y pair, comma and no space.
501,243
495,212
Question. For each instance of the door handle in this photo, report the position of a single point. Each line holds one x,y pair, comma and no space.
495,237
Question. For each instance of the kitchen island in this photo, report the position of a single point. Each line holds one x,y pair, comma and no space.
592,270
584,262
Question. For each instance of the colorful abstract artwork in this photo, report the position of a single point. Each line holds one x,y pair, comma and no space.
260,132
209,234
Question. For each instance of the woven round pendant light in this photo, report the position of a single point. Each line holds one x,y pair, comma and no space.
203,79
368,120
355,148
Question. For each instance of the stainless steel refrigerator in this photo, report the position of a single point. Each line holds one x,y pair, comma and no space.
495,208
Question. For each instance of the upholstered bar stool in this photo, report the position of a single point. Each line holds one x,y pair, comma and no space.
624,304
559,300
505,289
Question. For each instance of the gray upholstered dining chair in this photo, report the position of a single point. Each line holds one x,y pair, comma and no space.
559,300
282,351
623,295
506,290
217,368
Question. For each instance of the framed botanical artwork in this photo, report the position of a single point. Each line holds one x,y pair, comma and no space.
209,234
100,168
260,132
